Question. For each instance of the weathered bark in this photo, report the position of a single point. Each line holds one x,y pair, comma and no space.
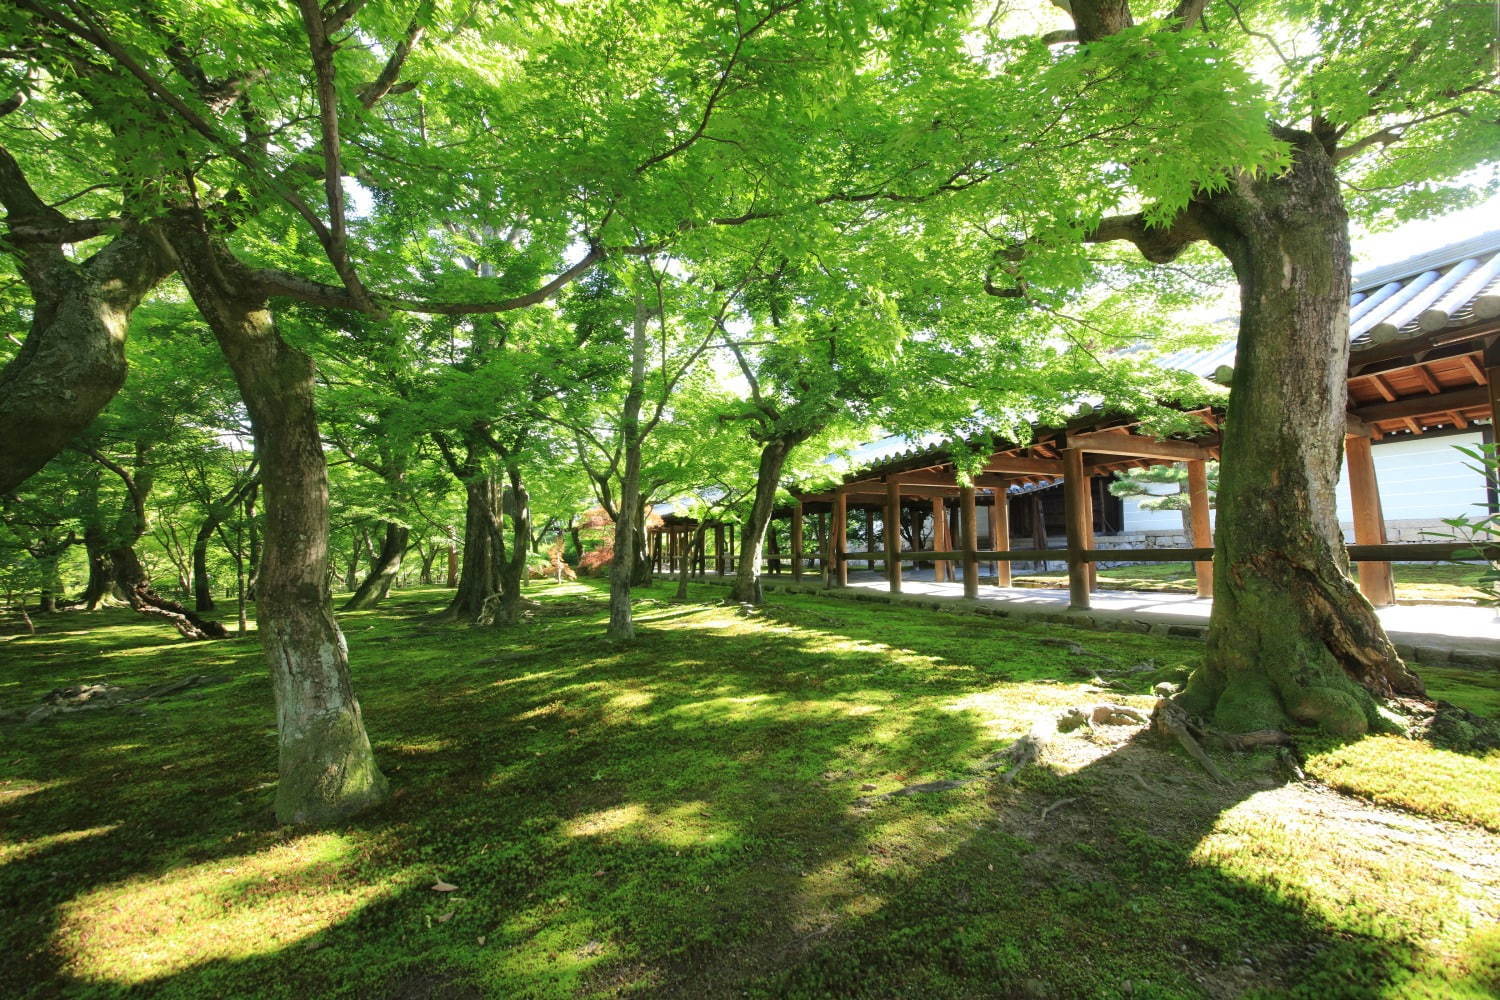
327,769
429,557
130,579
505,608
629,549
479,578
746,588
377,583
72,362
101,581
1291,637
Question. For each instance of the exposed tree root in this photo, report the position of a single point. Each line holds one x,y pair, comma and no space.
1170,719
88,697
1057,805
188,624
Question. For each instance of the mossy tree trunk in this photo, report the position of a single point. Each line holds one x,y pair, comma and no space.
327,769
1291,638
377,583
72,361
479,574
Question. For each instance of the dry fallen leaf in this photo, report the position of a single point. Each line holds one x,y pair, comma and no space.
445,917
480,939
441,886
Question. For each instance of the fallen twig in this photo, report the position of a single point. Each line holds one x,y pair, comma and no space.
1057,805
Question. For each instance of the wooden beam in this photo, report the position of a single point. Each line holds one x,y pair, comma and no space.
1425,377
1382,388
1198,506
969,539
1474,370
1080,531
1375,579
1014,465
1421,406
893,535
798,547
1138,446
1355,427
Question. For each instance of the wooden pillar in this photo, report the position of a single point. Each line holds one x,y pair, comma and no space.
968,529
1088,493
797,547
773,547
1000,533
870,537
893,535
820,526
1203,535
1080,526
719,550
939,529
1375,579
838,542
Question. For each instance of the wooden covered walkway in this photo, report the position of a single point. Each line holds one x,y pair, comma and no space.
1425,356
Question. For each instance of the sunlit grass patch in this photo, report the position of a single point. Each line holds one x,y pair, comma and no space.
229,908
704,811
1395,771
1405,880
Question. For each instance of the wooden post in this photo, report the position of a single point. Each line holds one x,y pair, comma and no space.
893,535
821,529
968,521
1080,528
1088,493
870,537
719,549
1203,536
838,541
939,529
1375,579
1000,533
773,547
797,547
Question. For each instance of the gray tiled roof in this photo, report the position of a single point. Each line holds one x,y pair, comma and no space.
1452,286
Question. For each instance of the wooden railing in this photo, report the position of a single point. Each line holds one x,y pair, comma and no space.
1079,560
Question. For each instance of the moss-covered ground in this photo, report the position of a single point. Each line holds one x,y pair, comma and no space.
704,813
1415,582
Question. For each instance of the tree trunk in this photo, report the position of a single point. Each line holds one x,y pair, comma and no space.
377,584
479,578
428,559
622,569
629,516
72,362
101,582
1291,637
203,598
505,607
130,579
327,769
746,587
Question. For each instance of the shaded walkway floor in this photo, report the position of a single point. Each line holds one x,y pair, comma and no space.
1464,636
